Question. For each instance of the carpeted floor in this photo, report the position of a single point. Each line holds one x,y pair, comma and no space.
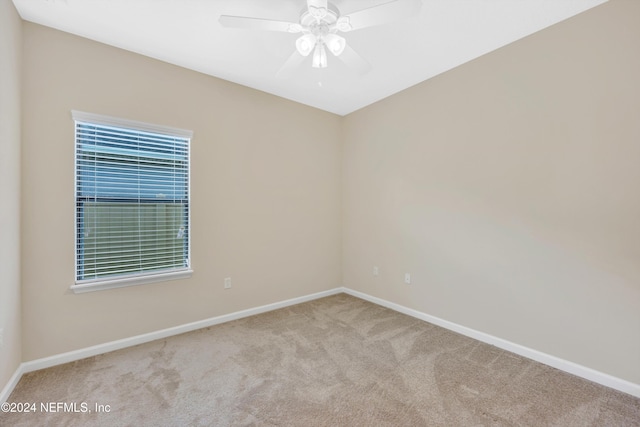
336,361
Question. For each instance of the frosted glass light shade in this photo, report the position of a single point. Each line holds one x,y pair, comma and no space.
305,44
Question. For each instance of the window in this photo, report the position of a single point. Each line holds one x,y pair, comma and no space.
132,202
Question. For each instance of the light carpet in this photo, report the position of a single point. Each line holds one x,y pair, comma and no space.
336,361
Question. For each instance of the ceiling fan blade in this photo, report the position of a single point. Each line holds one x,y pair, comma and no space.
248,23
289,67
317,5
354,60
384,13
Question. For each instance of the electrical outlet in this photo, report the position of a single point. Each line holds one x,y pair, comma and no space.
227,282
407,278
376,270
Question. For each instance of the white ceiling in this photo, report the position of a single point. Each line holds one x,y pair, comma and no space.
445,34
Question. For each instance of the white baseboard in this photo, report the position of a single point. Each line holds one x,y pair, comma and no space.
83,353
564,365
553,361
13,382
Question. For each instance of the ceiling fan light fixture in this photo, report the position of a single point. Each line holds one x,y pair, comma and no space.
319,56
320,27
335,43
305,44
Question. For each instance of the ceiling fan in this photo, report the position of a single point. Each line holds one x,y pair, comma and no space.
320,24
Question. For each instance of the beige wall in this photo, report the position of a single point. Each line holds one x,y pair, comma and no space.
508,188
266,205
10,66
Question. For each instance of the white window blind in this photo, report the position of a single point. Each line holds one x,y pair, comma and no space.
132,200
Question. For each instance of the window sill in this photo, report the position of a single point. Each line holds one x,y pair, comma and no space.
101,285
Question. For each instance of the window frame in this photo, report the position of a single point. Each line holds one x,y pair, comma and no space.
137,278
